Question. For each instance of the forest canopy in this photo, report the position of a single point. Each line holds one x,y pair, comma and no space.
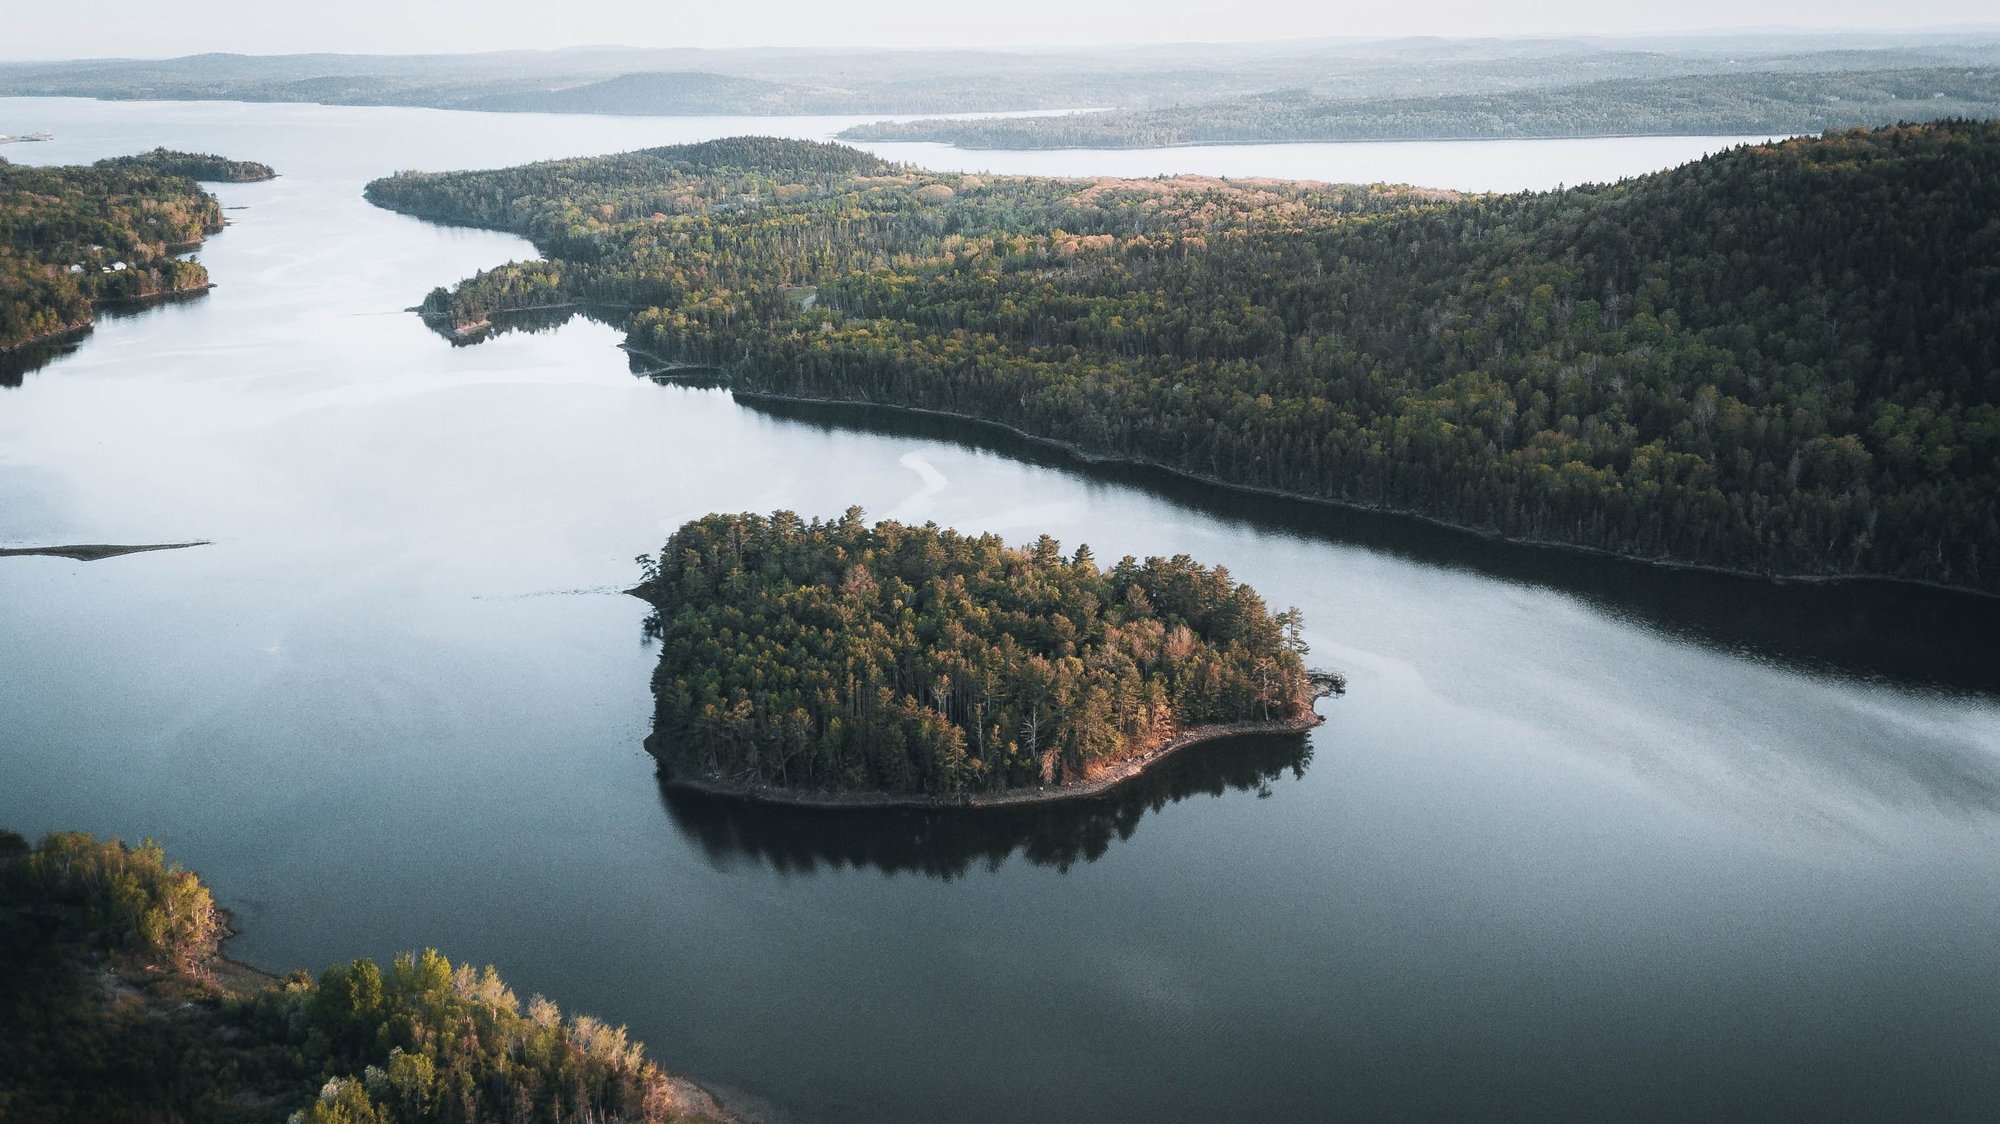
841,656
1781,359
74,238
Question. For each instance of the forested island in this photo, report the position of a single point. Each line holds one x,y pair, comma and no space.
204,166
1765,103
1783,359
840,662
73,239
118,1005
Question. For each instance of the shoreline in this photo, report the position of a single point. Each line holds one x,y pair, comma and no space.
670,370
73,333
1109,778
120,304
238,978
150,299
476,331
842,138
1089,458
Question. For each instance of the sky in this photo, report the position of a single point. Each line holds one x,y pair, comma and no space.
33,29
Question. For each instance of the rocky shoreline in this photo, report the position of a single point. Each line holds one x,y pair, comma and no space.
1105,779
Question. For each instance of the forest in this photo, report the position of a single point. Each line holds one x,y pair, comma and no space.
840,656
204,166
1782,359
117,1006
75,238
1765,103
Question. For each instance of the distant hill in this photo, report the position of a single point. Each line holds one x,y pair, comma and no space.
849,80
684,92
1766,103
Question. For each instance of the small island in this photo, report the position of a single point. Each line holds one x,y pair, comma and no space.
76,239
845,664
204,166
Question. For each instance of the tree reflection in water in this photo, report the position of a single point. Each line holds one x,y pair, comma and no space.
950,843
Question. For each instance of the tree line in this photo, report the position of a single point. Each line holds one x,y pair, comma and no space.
843,656
1780,359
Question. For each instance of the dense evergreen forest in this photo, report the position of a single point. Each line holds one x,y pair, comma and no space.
1781,359
204,166
116,1006
1768,103
844,657
73,238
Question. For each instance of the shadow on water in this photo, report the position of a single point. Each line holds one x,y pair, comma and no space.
527,321
1874,630
951,843
17,365
535,321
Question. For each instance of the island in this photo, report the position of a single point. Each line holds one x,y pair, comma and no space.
1779,360
76,239
203,166
849,664
117,1004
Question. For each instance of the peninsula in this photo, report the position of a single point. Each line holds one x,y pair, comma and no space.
1752,362
855,665
74,239
118,1004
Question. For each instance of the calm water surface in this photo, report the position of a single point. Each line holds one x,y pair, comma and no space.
1584,840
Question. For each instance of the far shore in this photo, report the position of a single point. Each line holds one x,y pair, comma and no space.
1103,781
1110,147
92,552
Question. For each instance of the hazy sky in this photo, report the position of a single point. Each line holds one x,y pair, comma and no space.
152,28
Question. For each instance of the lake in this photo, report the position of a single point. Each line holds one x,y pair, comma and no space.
1585,839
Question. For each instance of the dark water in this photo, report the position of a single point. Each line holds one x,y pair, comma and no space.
1584,839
